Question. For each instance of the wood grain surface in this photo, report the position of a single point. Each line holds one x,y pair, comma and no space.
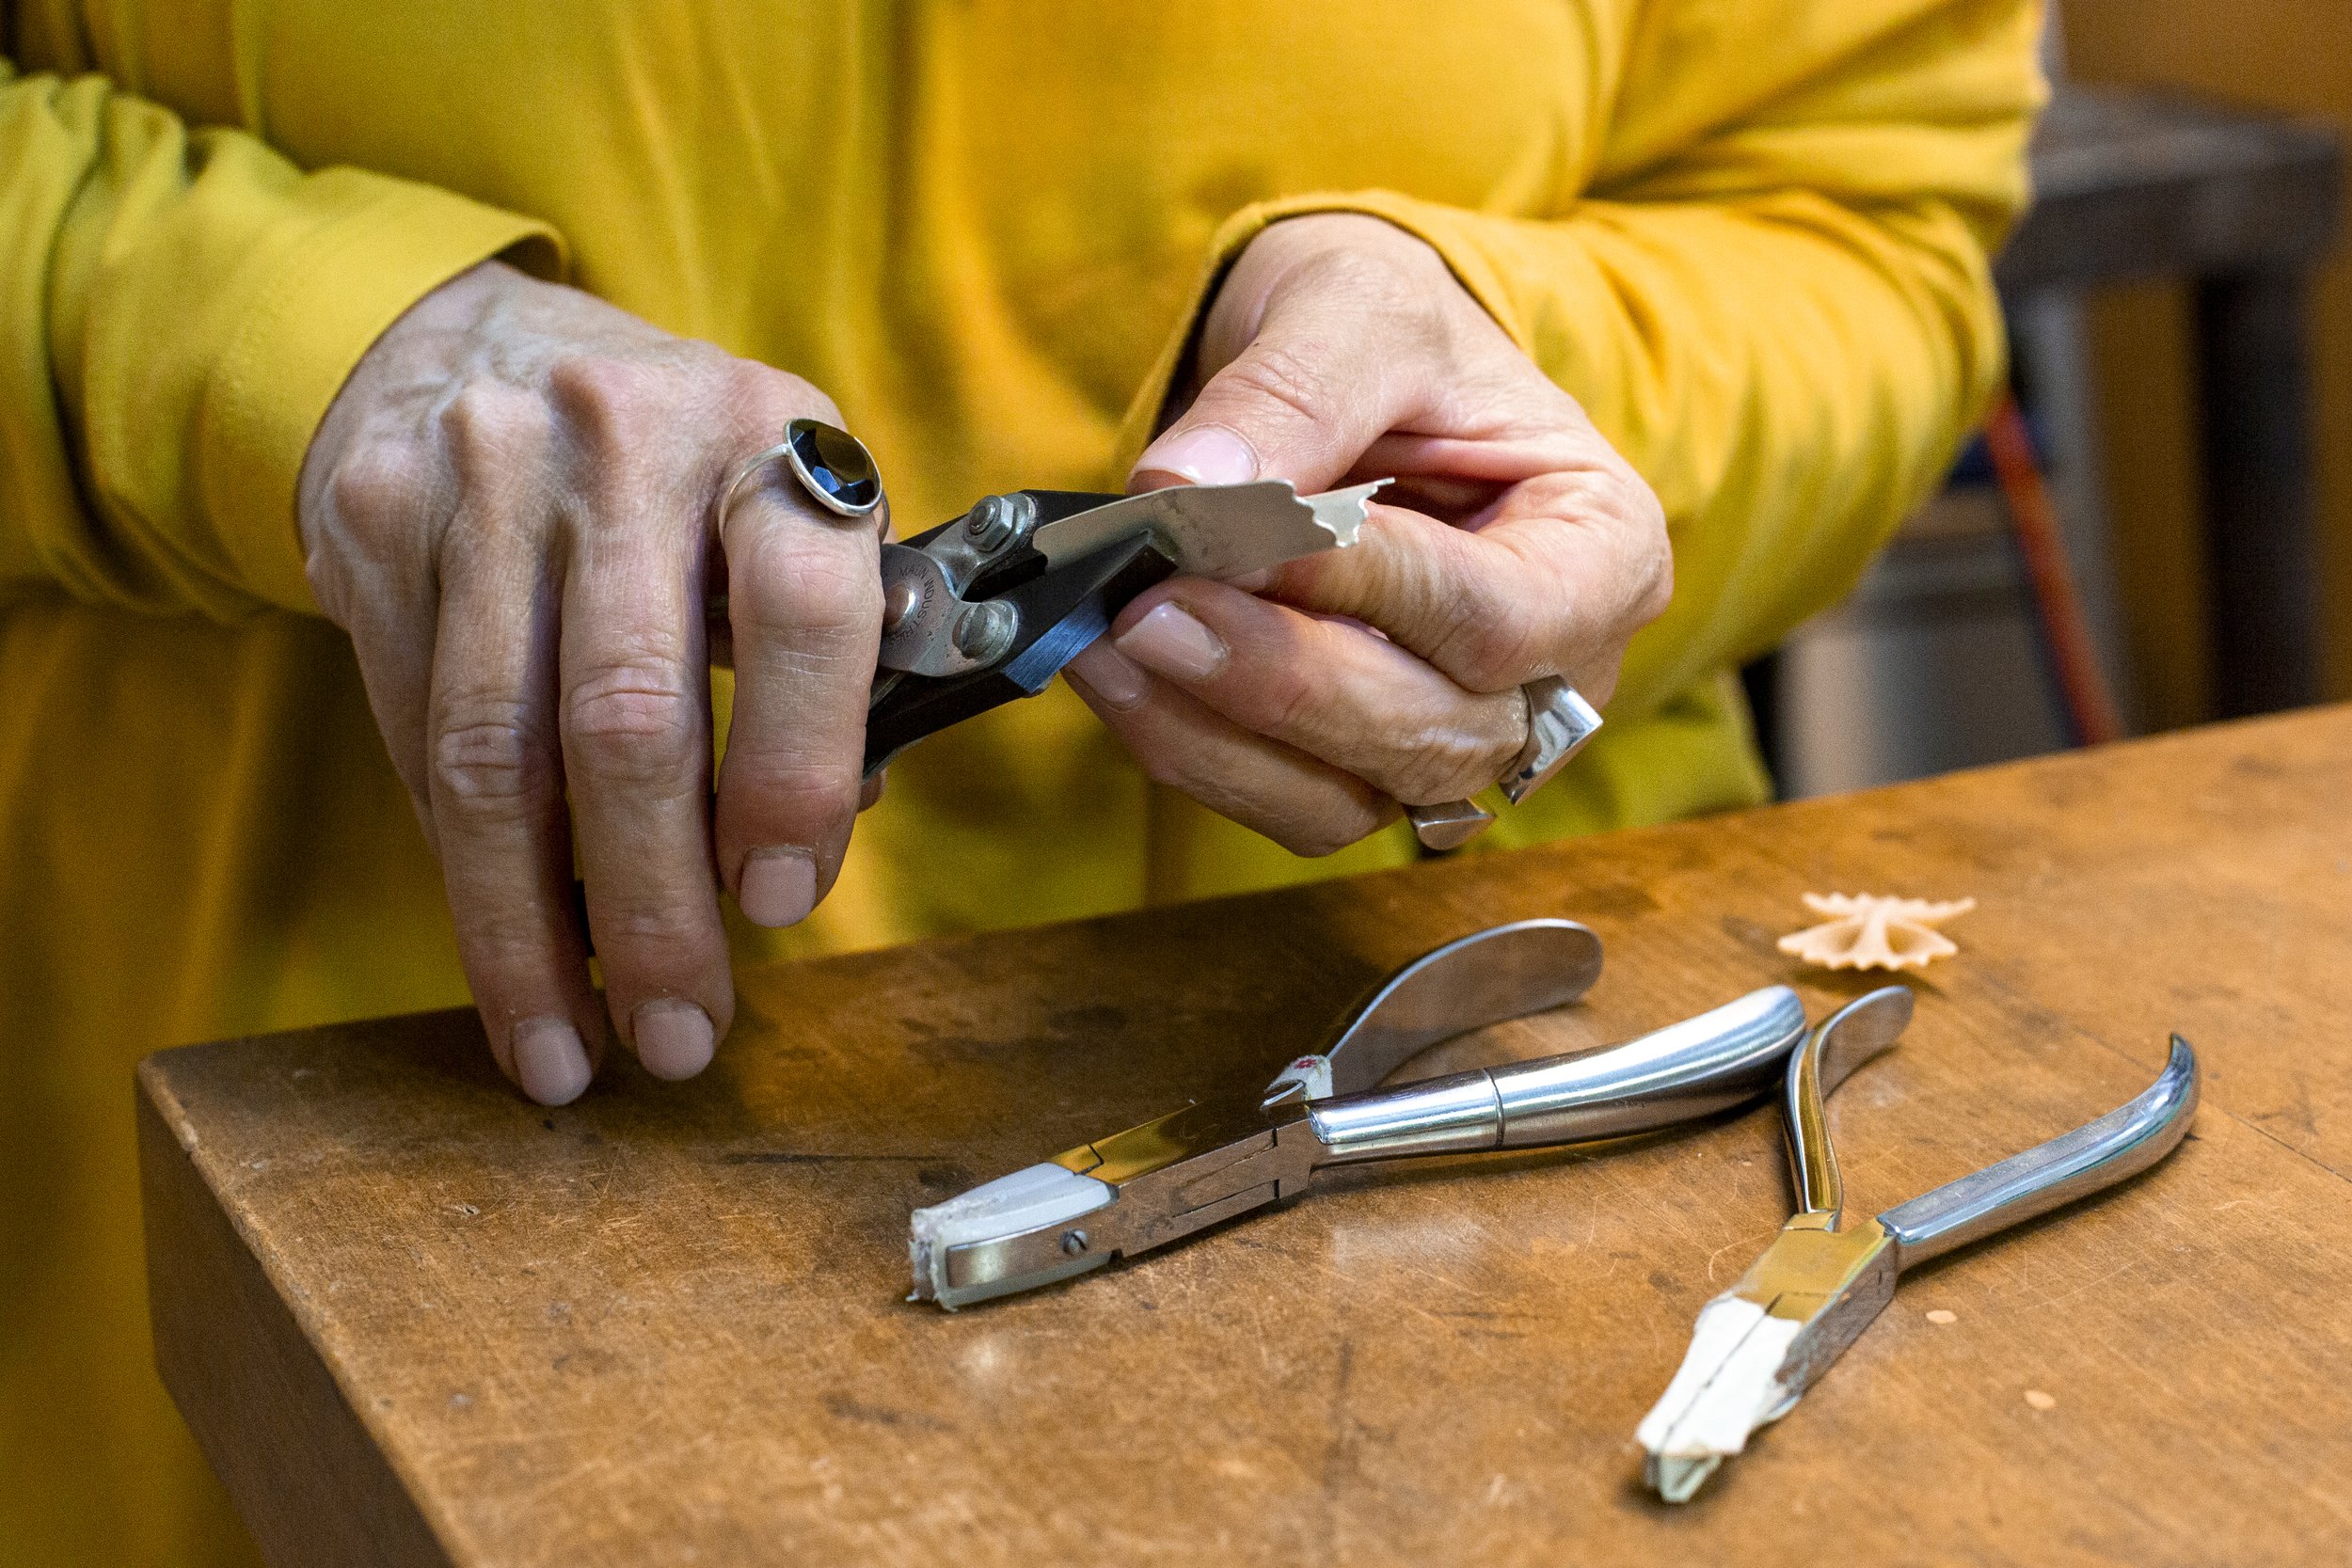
416,1320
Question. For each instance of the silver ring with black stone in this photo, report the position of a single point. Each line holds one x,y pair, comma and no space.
833,469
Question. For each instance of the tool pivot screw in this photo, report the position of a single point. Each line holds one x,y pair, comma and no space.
996,521
984,631
1074,1241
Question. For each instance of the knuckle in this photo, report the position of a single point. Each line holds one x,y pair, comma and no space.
382,481
618,406
331,580
1446,763
765,397
1312,837
489,425
784,583
486,762
653,938
1627,498
795,797
1164,768
1495,642
632,723
1656,580
1287,699
1285,375
507,945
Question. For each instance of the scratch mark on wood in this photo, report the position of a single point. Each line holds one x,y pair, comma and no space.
842,1407
799,1157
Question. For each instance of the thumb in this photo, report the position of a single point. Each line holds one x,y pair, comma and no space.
1318,383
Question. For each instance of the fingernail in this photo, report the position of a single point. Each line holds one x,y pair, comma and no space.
1110,675
1250,582
1172,642
674,1037
779,886
549,1060
1206,455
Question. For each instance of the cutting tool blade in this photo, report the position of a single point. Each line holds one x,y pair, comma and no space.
1760,1344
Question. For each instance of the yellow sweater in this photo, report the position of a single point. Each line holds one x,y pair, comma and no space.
1750,235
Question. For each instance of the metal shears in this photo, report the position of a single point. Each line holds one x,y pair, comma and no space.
1760,1345
989,607
1209,1161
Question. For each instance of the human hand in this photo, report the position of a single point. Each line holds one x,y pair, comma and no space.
509,507
1516,544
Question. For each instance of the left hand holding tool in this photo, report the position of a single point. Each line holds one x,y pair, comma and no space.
1427,661
510,507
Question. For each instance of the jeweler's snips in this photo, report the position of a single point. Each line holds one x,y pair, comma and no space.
1212,1161
1762,1344
989,607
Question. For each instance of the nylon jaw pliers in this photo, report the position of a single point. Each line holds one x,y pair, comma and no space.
1763,1343
1213,1160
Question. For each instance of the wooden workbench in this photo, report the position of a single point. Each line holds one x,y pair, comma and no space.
416,1321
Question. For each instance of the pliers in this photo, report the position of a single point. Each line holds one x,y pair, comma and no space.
1763,1343
989,607
1213,1160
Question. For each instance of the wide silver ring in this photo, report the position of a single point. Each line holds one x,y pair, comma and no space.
833,467
1559,722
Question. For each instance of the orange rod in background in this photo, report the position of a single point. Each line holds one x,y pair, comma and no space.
2082,685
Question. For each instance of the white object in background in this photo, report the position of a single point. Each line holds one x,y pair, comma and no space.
1871,931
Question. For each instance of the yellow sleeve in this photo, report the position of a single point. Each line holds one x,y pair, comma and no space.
177,307
1774,294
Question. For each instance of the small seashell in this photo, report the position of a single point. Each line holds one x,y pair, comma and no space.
1870,932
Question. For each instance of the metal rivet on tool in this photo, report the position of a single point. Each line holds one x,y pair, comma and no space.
995,521
900,599
1074,1241
985,630
987,522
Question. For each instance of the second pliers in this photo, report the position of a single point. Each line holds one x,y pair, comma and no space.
1216,1158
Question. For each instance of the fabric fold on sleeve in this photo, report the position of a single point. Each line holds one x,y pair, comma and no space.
178,309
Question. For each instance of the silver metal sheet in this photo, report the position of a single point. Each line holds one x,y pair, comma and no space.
1216,530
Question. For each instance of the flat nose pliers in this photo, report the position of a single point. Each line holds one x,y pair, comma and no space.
1763,1343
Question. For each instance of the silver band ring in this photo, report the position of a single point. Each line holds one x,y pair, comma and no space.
1559,722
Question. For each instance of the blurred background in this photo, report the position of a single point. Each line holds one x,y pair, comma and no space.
2160,532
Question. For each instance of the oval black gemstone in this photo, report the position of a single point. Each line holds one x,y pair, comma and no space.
836,466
